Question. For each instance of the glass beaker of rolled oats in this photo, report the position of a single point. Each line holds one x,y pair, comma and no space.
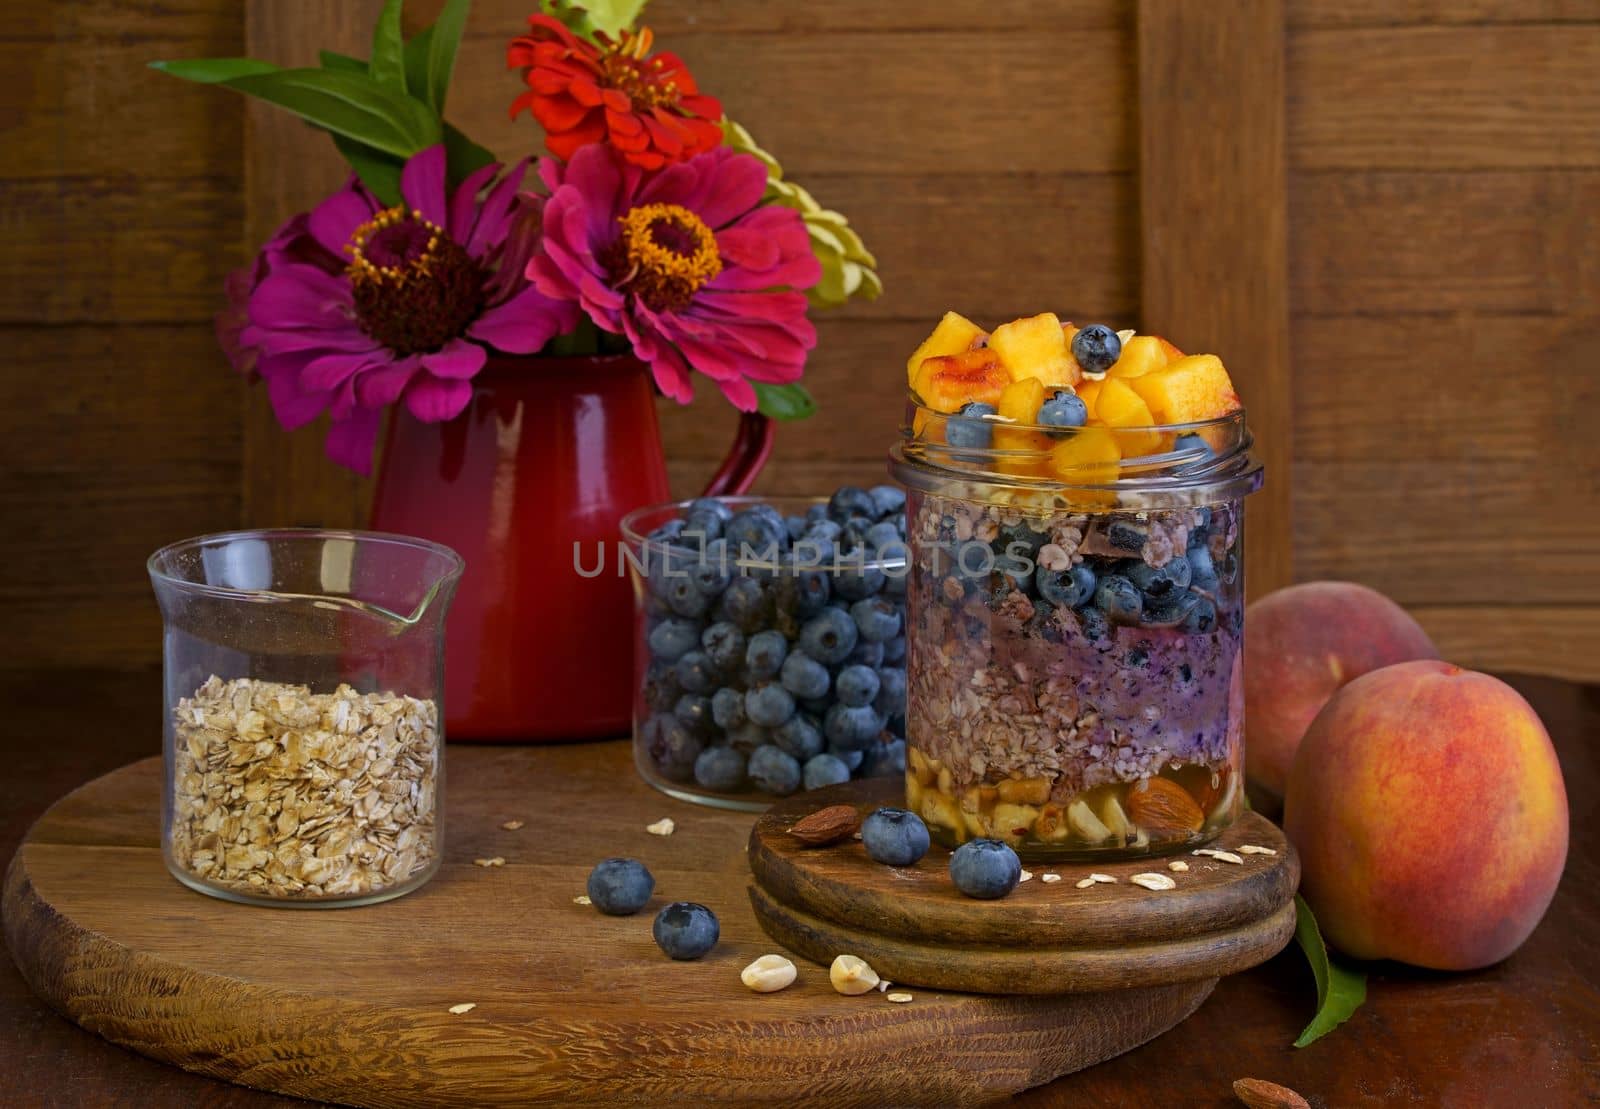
304,671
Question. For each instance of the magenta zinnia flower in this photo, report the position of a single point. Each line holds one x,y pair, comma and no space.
685,262
356,306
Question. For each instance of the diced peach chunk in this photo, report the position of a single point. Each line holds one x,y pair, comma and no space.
1088,456
1140,355
1119,407
1190,389
1020,401
954,334
1089,393
946,382
1036,347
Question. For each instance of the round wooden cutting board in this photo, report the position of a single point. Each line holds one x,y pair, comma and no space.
570,1006
1045,937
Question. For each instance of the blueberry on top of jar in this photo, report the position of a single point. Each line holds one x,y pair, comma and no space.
1065,409
967,428
1096,348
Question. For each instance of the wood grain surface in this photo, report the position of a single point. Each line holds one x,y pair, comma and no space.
912,925
572,1006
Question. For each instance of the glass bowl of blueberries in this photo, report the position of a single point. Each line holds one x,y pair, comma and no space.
770,645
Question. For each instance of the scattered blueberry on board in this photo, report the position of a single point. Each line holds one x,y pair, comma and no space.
620,887
985,868
686,930
787,672
894,837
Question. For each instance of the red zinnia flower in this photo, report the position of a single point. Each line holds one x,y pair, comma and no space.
649,109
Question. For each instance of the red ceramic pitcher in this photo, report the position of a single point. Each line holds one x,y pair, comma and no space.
550,452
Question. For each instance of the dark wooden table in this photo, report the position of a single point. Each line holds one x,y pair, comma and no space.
1524,1034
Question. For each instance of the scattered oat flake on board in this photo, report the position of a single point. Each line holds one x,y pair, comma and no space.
1048,878
1084,883
1101,878
1153,881
496,861
1220,856
464,1007
1027,876
1179,865
899,998
582,899
662,827
511,825
1256,849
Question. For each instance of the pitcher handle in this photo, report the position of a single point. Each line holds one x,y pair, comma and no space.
752,445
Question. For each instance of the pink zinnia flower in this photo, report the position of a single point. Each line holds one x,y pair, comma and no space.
686,263
356,306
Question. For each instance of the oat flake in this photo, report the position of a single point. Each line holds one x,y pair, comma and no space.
900,998
464,1007
511,825
662,827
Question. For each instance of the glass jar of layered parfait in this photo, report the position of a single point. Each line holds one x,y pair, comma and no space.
1075,611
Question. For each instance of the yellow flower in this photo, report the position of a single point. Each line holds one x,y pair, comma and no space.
848,267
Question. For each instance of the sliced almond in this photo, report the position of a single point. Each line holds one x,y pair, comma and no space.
1220,856
1255,849
900,998
1178,865
464,1007
663,827
1153,881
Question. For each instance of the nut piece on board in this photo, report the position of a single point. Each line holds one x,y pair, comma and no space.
851,975
1258,1093
768,974
825,826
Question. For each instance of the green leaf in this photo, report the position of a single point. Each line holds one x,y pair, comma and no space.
341,63
213,71
444,41
784,402
463,156
377,170
348,104
388,67
1340,991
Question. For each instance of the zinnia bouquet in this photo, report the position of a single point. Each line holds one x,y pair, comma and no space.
652,223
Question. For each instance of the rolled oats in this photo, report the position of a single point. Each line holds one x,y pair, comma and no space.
278,792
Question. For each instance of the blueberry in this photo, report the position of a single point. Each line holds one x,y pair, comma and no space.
661,689
719,768
696,672
811,592
667,532
825,770
891,698
711,505
1064,409
1070,587
1018,570
1126,536
1119,599
1228,570
885,760
795,526
1096,348
850,500
1201,618
765,654
724,643
804,676
887,499
858,583
985,868
1202,570
799,736
700,527
856,685
865,654
671,639
745,604
774,770
816,513
967,428
769,704
894,651
851,727
851,758
727,708
1193,444
620,887
685,930
882,534
895,837
754,534
828,636
894,579
824,530
714,571
685,598
853,536
1168,611
749,736
876,619
673,748
694,712
1158,581
1093,625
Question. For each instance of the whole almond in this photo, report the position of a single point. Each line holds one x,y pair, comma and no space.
825,826
1163,807
1258,1093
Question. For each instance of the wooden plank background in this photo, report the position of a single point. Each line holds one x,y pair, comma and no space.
1435,374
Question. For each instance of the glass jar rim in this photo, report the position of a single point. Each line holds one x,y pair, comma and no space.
1222,469
637,536
159,562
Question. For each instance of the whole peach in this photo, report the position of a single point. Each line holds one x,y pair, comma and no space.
1430,816
1302,644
